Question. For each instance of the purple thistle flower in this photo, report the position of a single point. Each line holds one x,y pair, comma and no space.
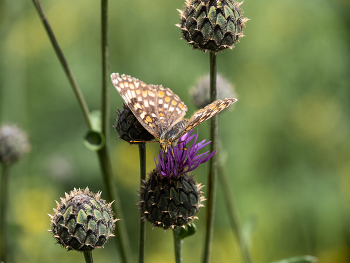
185,158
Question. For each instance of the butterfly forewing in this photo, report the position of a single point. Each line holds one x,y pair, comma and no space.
205,114
140,98
156,108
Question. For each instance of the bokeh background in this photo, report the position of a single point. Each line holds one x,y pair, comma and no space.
286,141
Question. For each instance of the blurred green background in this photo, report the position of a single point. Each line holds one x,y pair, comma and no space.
287,139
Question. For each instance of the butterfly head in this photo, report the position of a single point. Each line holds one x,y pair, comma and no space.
164,145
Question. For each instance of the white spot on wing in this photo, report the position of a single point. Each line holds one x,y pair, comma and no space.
151,103
171,108
129,94
142,115
146,103
160,101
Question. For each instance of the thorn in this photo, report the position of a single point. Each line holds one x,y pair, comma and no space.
245,20
50,216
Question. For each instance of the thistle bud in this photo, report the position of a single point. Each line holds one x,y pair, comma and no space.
170,201
129,128
212,25
82,221
200,91
13,144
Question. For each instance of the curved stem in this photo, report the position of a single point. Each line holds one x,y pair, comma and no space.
103,154
3,213
64,63
177,245
88,257
211,194
232,214
142,154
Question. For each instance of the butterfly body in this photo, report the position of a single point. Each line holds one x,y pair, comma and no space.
161,111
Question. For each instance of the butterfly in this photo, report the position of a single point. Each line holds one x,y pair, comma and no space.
161,111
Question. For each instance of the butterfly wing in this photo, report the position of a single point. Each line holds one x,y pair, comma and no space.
204,114
155,108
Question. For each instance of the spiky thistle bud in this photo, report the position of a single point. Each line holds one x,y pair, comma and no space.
212,25
170,197
129,128
200,91
82,221
13,144
171,201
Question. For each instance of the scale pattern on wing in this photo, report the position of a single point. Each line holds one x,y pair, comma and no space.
141,99
205,114
170,108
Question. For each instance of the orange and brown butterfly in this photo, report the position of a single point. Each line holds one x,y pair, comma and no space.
161,111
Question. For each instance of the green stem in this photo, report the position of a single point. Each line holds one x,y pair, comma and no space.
177,245
142,153
64,63
232,214
88,257
103,154
212,166
3,213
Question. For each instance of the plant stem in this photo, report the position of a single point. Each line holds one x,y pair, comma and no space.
103,154
3,213
177,245
212,166
232,214
142,154
88,257
64,63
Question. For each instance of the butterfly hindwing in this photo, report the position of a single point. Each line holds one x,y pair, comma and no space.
171,109
205,114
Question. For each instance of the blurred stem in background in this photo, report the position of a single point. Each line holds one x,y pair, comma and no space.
177,245
231,211
3,213
142,154
88,257
212,165
103,154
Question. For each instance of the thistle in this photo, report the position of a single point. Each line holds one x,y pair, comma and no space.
200,91
212,25
129,128
82,221
171,197
13,144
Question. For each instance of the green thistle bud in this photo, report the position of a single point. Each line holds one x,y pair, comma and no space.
169,201
129,128
200,91
212,25
82,221
13,144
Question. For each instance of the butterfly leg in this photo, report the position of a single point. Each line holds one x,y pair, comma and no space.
137,141
184,148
